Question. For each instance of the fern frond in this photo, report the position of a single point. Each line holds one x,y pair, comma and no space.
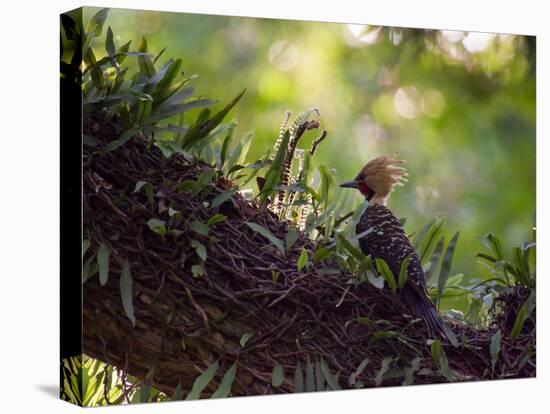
302,119
282,130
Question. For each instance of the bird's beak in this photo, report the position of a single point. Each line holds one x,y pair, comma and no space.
350,184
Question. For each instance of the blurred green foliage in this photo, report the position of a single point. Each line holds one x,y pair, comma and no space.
459,107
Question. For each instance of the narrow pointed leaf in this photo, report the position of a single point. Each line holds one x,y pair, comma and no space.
245,338
126,136
403,272
329,377
384,367
278,243
223,197
495,348
291,237
310,378
144,61
95,25
202,382
103,254
224,389
299,378
109,43
446,264
434,259
277,376
303,260
126,292
177,393
385,271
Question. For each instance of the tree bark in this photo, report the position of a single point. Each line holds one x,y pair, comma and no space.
250,305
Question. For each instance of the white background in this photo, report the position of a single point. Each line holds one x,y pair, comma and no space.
29,206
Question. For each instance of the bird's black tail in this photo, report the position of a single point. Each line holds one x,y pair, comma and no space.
421,307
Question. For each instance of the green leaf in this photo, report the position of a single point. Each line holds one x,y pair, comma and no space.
356,253
88,140
449,333
245,338
172,212
275,275
299,378
360,319
144,109
384,367
445,370
403,272
89,269
227,141
222,198
224,389
202,382
493,244
409,372
321,254
69,26
95,70
158,226
126,136
277,376
197,270
239,153
159,54
126,293
109,43
495,348
385,271
435,348
278,243
290,238
204,179
430,241
178,97
215,219
122,52
144,61
332,381
446,264
377,282
95,25
145,389
524,312
85,246
455,280
199,228
172,71
177,393
319,377
303,260
202,130
103,254
166,111
199,248
310,378
434,259
419,237
353,377
327,186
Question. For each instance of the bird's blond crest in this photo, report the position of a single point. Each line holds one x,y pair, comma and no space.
382,175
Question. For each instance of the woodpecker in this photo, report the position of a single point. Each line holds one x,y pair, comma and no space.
387,239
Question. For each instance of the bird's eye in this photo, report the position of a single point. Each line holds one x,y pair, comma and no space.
360,177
